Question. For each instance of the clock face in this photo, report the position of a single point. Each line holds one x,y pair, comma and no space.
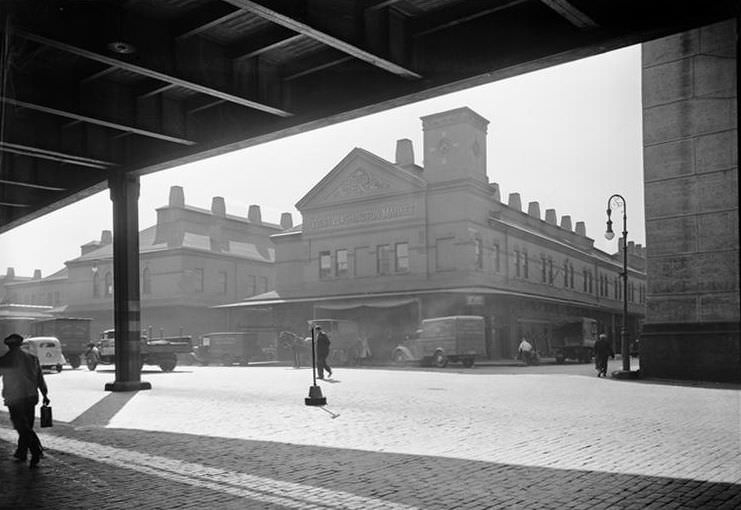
444,146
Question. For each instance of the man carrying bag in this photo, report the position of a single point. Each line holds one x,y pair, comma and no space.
22,380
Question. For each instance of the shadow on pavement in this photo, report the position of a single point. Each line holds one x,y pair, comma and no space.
103,411
70,478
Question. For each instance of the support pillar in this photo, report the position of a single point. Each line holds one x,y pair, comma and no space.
125,195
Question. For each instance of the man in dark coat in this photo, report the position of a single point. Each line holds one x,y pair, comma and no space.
322,351
602,350
22,380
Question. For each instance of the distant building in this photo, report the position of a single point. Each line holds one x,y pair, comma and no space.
389,243
191,260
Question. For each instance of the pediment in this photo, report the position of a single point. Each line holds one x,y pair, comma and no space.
361,175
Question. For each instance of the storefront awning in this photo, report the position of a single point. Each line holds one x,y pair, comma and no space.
372,303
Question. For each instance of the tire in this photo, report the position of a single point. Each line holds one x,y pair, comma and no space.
468,362
168,365
92,363
59,368
399,357
440,360
74,362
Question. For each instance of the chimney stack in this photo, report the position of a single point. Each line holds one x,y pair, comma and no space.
566,222
495,191
106,237
218,206
10,274
515,202
286,221
177,197
550,216
581,228
404,152
254,215
37,274
533,209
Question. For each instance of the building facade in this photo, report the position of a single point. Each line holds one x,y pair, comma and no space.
190,261
390,243
690,138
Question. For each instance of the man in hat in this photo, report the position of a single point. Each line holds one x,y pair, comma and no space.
602,350
22,380
322,352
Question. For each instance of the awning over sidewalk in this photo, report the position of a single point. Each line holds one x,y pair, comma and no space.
372,303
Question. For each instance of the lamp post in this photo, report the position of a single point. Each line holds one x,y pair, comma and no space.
617,202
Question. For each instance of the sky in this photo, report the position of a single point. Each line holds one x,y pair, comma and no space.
568,137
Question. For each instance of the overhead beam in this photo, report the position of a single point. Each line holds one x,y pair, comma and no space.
92,120
14,204
213,23
151,73
571,13
32,185
466,19
268,47
329,40
61,157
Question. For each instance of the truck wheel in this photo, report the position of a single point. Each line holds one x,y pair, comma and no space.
91,363
399,357
59,368
468,362
440,360
168,365
74,362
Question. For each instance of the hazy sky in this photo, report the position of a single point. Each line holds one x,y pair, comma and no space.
568,136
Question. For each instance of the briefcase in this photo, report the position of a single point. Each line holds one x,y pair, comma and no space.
46,416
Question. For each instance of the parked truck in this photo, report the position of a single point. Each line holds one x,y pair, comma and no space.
458,338
73,334
158,351
574,340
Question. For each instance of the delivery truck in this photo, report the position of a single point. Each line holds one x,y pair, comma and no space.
458,338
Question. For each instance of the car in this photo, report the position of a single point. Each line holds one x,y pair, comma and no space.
48,349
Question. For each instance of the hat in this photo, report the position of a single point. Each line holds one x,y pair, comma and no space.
13,340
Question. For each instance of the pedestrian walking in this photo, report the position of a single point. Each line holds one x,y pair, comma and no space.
322,352
22,379
602,350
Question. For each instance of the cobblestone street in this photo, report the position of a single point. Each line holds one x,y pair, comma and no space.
241,437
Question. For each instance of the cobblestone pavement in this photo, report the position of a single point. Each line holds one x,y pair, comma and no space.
241,437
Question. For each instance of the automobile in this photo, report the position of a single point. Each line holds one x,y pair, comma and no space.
48,349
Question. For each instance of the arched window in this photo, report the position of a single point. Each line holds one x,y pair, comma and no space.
96,284
146,281
108,281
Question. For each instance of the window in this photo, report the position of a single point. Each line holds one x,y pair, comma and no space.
96,284
251,285
571,276
264,283
525,265
586,282
383,259
146,281
198,280
543,268
325,265
565,275
402,257
222,282
57,301
341,265
591,282
550,271
517,263
478,254
496,258
108,282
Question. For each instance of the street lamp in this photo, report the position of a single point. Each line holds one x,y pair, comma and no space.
618,202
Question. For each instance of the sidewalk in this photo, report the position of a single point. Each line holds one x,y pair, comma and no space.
221,437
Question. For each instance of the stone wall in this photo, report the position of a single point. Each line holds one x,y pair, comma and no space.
690,131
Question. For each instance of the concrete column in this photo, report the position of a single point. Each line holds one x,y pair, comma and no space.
125,195
690,138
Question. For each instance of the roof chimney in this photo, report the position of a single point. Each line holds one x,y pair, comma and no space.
286,220
404,152
218,206
106,237
581,228
550,216
254,215
533,209
514,201
566,222
495,191
37,274
177,197
9,273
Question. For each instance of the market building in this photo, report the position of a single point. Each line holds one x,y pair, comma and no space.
386,244
191,260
